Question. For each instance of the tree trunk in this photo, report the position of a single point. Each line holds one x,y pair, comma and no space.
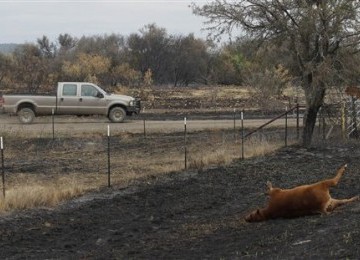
314,100
310,121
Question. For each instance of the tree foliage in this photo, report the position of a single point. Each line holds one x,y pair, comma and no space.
150,49
316,34
189,61
87,67
111,60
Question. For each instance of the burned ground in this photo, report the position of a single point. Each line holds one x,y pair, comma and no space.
197,215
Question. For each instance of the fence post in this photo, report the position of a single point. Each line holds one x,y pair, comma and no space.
53,123
242,135
144,128
185,142
343,120
108,153
297,121
319,121
323,127
286,126
235,124
2,164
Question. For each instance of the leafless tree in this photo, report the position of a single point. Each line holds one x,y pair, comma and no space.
29,68
5,67
47,48
67,42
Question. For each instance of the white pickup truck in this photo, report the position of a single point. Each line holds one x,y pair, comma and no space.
72,98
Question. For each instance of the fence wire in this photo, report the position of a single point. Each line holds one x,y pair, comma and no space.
136,154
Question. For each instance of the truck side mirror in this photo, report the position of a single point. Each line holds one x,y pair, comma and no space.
100,95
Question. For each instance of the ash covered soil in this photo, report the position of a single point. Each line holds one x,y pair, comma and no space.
198,215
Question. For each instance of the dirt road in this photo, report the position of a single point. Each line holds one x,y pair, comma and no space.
42,126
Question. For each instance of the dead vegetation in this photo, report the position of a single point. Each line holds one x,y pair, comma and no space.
52,171
157,210
214,99
187,215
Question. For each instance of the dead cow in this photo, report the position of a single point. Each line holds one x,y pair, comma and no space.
300,201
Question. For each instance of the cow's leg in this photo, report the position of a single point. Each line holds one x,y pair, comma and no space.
334,181
334,203
269,186
271,190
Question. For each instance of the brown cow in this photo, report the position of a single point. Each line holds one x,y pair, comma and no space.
300,201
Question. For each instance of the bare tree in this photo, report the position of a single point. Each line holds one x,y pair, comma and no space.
29,68
47,48
67,42
5,68
316,34
150,50
189,60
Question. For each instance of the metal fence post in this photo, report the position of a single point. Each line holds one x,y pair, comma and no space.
242,135
185,142
323,127
144,128
319,121
297,121
2,164
108,153
286,126
53,123
343,120
235,124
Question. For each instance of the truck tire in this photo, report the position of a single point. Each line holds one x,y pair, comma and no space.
26,115
117,115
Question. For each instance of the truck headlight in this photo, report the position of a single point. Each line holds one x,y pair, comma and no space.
132,103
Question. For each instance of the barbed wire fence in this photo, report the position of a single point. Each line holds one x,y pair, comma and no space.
113,154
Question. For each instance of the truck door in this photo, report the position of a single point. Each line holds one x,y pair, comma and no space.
90,103
68,99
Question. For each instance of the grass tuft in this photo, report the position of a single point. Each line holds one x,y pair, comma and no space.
42,194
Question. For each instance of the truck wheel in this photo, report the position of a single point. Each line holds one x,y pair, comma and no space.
26,115
117,115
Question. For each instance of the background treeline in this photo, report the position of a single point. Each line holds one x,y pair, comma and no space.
149,57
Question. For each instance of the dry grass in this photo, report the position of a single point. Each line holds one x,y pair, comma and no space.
25,191
152,158
255,147
34,192
225,155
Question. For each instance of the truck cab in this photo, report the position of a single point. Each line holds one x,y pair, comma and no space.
83,98
80,98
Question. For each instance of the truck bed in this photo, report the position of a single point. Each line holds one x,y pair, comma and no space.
46,103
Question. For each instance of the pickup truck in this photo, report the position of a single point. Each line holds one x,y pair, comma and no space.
72,98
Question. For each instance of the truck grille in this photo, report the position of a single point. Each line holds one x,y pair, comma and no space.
138,104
